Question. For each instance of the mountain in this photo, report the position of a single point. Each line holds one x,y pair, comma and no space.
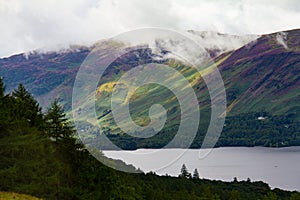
260,73
46,75
265,75
51,74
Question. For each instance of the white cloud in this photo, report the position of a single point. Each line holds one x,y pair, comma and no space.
31,24
281,38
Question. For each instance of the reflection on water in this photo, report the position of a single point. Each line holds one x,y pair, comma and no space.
279,167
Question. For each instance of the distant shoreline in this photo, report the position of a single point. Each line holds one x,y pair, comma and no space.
203,148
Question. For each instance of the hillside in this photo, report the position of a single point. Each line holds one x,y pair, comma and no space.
47,75
261,80
39,156
264,75
51,74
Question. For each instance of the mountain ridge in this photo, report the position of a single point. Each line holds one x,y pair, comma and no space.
278,65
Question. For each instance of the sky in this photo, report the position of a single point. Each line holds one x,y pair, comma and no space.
28,25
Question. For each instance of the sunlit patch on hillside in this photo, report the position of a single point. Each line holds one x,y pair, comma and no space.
107,87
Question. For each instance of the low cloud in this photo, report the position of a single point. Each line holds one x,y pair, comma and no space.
281,38
48,24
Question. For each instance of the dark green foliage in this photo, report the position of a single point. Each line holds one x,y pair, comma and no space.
2,88
196,174
39,156
249,130
270,196
25,107
295,196
57,125
240,130
184,173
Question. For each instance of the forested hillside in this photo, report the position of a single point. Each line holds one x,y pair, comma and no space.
40,156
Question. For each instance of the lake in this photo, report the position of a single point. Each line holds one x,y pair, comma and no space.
279,167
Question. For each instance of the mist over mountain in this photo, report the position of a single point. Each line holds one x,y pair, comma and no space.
217,43
261,75
50,74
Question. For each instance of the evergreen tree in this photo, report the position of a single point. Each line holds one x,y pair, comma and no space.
26,107
21,93
196,174
235,180
61,132
184,172
58,126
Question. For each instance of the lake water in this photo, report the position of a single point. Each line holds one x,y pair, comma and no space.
279,167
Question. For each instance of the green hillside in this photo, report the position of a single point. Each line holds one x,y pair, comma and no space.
39,156
261,80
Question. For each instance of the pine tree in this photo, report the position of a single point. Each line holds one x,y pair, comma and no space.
21,93
61,132
26,107
235,180
184,172
58,126
196,174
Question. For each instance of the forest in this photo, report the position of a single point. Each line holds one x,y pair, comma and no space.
247,129
40,156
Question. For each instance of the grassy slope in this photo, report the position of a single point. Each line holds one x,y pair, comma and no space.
264,76
261,77
16,196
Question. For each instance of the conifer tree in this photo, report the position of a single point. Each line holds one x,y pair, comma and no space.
61,132
26,107
58,126
184,172
196,174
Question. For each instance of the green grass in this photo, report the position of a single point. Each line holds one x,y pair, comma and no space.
16,196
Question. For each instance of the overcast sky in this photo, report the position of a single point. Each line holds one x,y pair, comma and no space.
30,24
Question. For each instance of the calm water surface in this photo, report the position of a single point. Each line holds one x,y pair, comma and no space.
279,167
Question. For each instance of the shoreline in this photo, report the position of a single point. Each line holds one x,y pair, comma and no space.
201,148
